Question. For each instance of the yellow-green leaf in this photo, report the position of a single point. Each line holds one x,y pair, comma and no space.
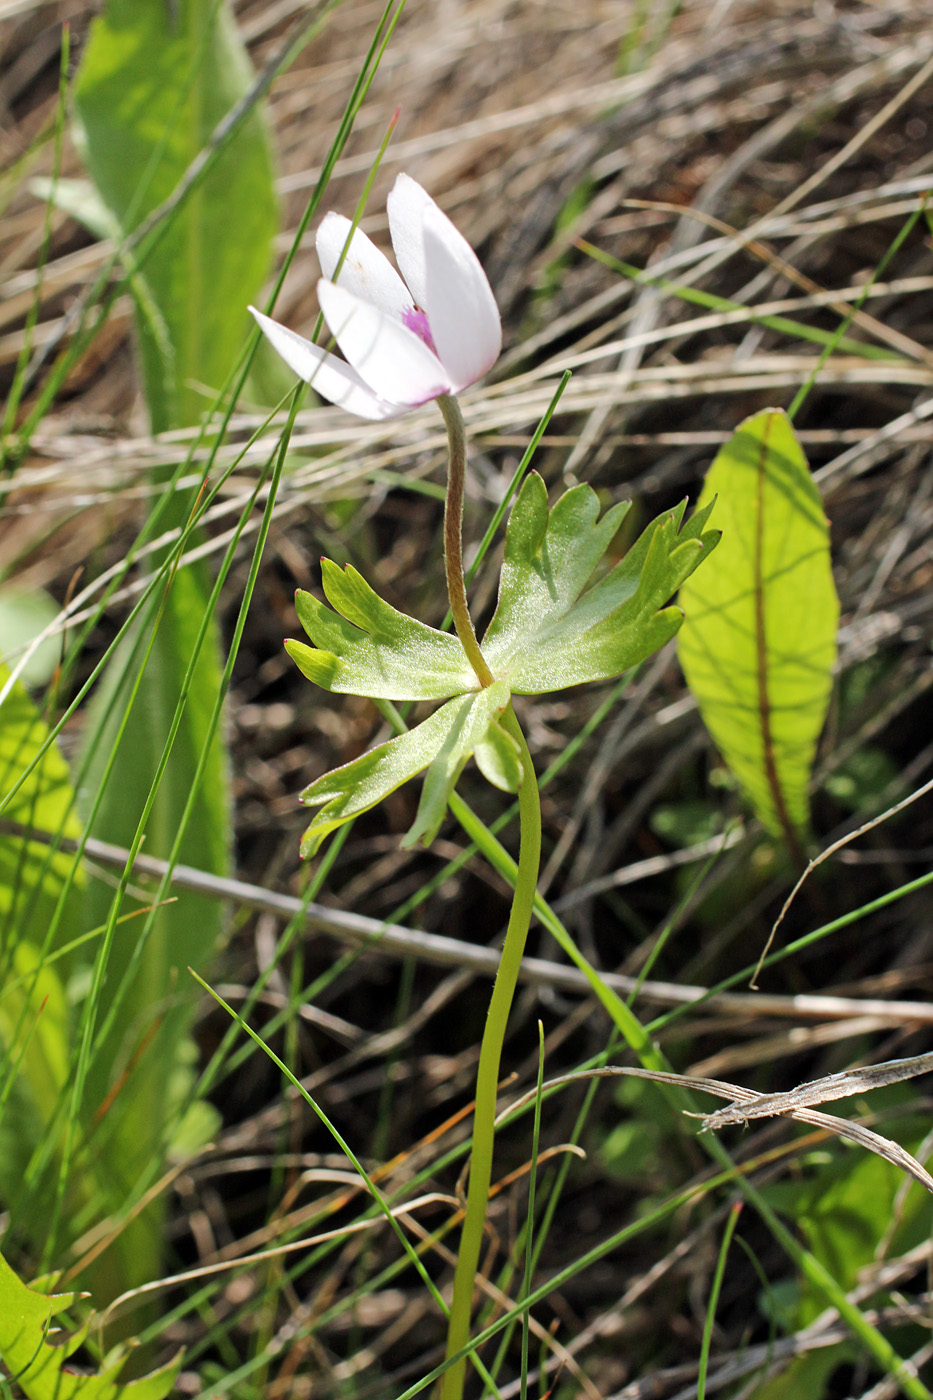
40,1367
442,744
550,629
31,876
363,646
759,641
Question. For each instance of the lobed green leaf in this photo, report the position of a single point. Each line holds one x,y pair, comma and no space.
367,647
442,743
499,758
549,556
40,1366
470,726
547,632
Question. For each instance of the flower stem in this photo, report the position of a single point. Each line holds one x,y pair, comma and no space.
487,1074
453,529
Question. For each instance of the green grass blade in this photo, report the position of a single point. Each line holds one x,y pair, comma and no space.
382,1204
715,1291
19,375
740,314
529,1237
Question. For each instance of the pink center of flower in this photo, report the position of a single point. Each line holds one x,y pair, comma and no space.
417,321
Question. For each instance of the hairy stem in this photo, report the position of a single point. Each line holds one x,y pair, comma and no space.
453,527
487,1074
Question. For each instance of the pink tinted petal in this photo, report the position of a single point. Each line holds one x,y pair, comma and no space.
461,308
406,207
327,375
391,359
417,321
365,271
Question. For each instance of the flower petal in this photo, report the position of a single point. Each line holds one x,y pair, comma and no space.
406,207
327,375
460,306
365,270
391,359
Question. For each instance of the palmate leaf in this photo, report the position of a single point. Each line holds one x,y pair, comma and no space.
366,647
40,1367
759,643
547,632
442,744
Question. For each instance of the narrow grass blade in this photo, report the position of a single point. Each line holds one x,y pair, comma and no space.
714,1299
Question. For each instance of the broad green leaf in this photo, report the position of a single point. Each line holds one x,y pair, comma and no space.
366,647
34,1041
31,877
759,643
155,81
35,1047
549,631
445,739
153,1017
34,1029
24,613
807,1375
81,201
39,1362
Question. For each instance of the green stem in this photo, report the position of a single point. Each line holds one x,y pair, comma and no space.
453,529
487,1074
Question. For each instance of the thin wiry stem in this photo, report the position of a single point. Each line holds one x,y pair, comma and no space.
453,526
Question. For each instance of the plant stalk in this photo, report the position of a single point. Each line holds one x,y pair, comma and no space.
487,1074
529,804
453,531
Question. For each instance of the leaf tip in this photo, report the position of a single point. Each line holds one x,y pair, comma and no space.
320,667
310,844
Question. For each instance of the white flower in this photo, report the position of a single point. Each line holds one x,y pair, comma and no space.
404,344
